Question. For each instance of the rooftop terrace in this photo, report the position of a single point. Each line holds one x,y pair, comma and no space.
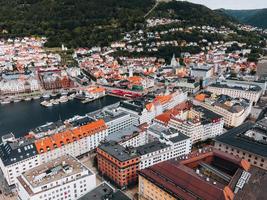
63,167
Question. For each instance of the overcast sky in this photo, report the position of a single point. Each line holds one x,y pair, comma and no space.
233,4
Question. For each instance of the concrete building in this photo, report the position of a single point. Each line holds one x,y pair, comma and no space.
262,69
202,72
115,119
208,174
104,191
168,144
245,91
19,155
145,112
76,141
141,112
133,136
247,141
260,83
63,178
234,110
198,123
117,163
121,163
190,85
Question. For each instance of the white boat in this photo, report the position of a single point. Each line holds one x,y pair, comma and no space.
63,99
46,96
17,100
64,93
36,97
54,94
70,97
55,102
44,103
28,99
5,102
49,104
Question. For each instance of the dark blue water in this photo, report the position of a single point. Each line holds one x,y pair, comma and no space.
21,117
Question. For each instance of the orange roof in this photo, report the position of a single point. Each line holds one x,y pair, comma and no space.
200,97
149,106
166,116
98,90
59,139
228,193
94,89
163,99
135,79
245,164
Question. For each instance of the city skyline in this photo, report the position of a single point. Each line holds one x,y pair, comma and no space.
230,4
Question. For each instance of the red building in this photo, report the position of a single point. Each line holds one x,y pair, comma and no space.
53,79
208,174
117,163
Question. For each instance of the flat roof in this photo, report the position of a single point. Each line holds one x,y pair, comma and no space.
136,106
256,189
235,137
207,114
233,105
48,126
241,87
104,191
109,115
157,129
118,151
55,170
151,147
123,134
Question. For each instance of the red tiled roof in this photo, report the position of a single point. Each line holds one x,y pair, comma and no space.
166,116
59,139
181,182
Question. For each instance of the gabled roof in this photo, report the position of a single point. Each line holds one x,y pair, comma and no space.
12,152
60,139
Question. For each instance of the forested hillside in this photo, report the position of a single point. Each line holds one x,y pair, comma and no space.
253,17
73,22
85,23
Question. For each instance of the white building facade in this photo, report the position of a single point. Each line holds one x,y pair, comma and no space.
64,178
250,92
168,144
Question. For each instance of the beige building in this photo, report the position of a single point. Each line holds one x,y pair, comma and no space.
148,190
234,111
246,91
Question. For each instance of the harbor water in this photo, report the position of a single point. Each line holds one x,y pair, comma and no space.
20,118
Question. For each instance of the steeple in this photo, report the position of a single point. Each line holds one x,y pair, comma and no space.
174,62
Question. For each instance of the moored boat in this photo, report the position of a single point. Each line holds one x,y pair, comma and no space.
5,102
36,97
17,100
28,99
63,99
46,96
